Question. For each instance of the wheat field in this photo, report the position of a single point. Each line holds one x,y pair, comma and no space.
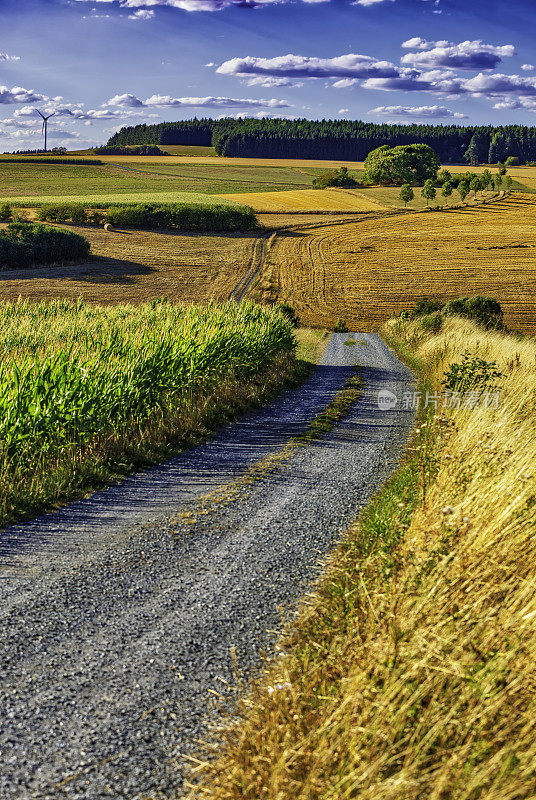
365,270
320,200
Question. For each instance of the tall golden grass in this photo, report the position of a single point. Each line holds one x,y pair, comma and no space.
410,672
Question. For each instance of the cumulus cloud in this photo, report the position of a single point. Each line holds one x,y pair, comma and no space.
497,84
198,5
369,2
528,67
350,65
465,55
159,100
269,82
141,14
125,101
213,102
421,112
19,95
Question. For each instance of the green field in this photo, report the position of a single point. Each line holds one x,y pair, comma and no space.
47,181
107,200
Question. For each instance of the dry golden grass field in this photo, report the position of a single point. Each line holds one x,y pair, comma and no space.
364,270
306,200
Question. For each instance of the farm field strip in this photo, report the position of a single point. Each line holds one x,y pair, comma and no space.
104,200
366,270
40,181
305,200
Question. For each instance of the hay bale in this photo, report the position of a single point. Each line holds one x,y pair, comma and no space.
108,227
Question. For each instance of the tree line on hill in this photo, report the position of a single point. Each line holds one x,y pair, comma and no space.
335,139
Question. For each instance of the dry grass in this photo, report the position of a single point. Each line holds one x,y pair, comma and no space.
410,672
137,266
306,200
367,269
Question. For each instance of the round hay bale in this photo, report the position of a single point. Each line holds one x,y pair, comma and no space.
108,227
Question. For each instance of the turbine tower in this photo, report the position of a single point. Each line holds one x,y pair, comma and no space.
45,125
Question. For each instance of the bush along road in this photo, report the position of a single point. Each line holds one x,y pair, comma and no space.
124,615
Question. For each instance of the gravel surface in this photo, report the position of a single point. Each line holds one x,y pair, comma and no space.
120,615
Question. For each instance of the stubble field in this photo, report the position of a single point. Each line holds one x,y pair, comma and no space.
364,271
137,266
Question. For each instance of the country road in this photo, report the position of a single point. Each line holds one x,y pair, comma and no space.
120,614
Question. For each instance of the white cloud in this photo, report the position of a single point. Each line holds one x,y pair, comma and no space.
345,83
198,5
19,95
367,3
159,100
125,101
5,57
465,55
343,111
213,102
142,14
420,112
350,65
497,84
528,67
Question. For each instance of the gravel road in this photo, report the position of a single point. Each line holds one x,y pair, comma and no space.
119,614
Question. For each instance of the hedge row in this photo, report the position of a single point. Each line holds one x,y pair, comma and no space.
135,150
52,160
23,245
174,216
181,216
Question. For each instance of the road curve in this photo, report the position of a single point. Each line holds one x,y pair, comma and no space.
119,614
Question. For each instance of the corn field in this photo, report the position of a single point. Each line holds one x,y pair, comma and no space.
73,374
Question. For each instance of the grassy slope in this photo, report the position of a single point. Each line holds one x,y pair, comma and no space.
409,673
45,181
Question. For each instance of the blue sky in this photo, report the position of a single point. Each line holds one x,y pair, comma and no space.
101,64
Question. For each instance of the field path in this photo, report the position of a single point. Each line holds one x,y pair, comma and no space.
120,615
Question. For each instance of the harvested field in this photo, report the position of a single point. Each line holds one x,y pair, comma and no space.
365,270
136,266
306,200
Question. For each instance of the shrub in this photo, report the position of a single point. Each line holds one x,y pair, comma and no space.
432,322
97,217
63,212
472,373
23,245
425,306
337,178
484,310
5,212
341,326
512,161
182,216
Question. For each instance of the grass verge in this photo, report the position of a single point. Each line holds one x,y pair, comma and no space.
409,671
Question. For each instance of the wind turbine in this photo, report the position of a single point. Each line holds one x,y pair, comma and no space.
45,125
